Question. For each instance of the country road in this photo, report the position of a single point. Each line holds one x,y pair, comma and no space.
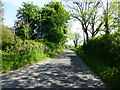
63,71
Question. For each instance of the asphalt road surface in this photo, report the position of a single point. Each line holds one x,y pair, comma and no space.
66,70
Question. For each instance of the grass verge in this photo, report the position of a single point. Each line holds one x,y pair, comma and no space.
12,61
109,75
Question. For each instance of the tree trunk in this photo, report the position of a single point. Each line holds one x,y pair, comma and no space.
76,45
106,20
119,16
87,37
93,34
107,27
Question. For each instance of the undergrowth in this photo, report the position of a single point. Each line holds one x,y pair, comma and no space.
102,55
17,53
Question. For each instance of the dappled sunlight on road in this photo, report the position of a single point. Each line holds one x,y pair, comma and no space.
58,72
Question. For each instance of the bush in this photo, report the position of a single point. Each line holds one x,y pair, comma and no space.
51,47
22,54
109,75
102,55
17,53
105,46
8,38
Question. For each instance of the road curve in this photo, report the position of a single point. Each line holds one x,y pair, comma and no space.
63,71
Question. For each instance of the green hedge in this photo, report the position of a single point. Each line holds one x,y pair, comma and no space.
8,38
105,46
52,49
22,54
109,75
102,55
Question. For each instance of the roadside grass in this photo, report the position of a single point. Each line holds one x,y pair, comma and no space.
12,61
109,75
25,53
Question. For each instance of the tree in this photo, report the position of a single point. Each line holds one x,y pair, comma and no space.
76,38
111,16
84,11
96,21
108,18
118,16
54,18
48,22
28,17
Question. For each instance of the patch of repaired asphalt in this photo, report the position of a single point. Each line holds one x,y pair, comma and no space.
63,71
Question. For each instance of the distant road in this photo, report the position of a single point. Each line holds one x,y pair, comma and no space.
63,71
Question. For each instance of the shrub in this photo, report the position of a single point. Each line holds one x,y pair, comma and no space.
108,74
8,38
22,54
105,46
17,53
51,47
102,54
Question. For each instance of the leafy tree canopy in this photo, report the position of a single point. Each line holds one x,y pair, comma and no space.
48,22
54,18
28,16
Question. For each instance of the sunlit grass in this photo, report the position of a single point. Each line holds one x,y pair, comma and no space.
12,61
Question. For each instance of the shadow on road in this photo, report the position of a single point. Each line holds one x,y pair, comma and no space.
53,76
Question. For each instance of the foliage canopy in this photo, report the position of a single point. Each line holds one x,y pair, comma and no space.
48,22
